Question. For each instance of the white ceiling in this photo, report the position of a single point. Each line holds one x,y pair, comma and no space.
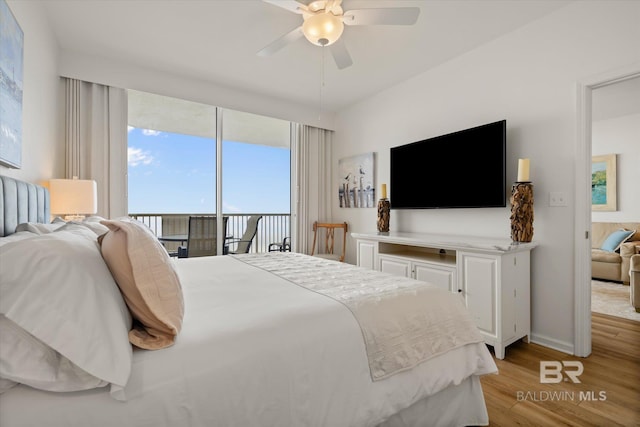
217,41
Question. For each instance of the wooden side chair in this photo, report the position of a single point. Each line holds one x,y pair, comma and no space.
202,237
325,248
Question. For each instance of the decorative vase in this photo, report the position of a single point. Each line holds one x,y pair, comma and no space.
522,212
384,213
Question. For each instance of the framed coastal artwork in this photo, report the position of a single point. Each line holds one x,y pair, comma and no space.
356,181
603,183
11,64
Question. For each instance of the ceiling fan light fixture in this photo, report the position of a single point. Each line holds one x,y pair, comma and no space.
323,29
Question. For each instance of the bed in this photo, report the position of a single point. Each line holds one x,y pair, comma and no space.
276,339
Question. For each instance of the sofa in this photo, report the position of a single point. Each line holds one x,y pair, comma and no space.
613,265
634,273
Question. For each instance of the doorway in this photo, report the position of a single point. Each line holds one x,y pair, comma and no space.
582,223
615,150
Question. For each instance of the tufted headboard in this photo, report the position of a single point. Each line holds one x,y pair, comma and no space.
20,202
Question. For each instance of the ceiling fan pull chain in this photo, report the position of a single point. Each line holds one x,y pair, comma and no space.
321,80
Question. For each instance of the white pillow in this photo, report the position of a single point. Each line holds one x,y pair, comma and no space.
94,218
92,223
97,228
6,384
27,360
39,228
21,235
57,287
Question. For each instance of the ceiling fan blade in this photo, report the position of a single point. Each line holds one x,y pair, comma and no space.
334,7
290,5
341,54
281,42
389,16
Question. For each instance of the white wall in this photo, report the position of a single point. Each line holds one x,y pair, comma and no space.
621,136
527,77
42,137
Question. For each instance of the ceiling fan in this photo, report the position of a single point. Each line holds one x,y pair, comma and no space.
324,22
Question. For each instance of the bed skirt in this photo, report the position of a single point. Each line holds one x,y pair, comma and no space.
460,405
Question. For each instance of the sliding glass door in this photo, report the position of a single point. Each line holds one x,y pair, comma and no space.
187,159
256,178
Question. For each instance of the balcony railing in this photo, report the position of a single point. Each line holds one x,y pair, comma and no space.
272,228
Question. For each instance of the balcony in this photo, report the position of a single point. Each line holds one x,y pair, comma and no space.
271,228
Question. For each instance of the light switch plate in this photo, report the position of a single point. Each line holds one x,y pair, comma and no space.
558,198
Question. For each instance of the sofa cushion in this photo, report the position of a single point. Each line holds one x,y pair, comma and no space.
601,230
615,239
598,255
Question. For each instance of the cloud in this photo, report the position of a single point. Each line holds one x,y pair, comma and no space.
135,157
226,207
145,132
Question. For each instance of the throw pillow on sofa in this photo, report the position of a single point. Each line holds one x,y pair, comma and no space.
613,242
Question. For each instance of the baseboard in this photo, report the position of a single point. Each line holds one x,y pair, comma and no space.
562,346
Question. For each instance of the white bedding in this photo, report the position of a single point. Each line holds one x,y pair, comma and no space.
403,322
255,350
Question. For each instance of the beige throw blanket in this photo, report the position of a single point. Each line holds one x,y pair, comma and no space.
403,321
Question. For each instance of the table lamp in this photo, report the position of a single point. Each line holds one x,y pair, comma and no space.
73,197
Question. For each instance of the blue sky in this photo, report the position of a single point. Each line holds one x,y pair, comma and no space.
174,173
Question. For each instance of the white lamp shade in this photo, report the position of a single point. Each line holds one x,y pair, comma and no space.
73,196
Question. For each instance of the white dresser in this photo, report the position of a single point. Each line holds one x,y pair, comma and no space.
492,275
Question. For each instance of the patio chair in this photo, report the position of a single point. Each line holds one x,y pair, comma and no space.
243,245
202,237
327,250
283,246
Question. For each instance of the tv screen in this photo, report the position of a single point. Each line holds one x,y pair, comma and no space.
464,169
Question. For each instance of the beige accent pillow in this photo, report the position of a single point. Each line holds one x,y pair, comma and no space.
148,282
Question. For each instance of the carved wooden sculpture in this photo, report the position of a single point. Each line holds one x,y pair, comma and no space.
522,212
384,213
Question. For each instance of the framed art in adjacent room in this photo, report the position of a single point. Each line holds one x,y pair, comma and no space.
11,70
357,187
603,183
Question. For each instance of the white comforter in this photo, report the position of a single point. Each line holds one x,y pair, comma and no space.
404,322
255,350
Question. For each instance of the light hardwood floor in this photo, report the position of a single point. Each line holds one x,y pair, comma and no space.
516,397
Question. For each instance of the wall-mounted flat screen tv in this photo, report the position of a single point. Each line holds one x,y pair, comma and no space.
464,169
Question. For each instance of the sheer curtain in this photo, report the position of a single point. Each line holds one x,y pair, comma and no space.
312,182
96,141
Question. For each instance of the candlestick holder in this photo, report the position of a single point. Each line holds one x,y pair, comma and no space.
384,214
522,212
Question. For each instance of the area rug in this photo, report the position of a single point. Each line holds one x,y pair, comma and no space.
613,299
